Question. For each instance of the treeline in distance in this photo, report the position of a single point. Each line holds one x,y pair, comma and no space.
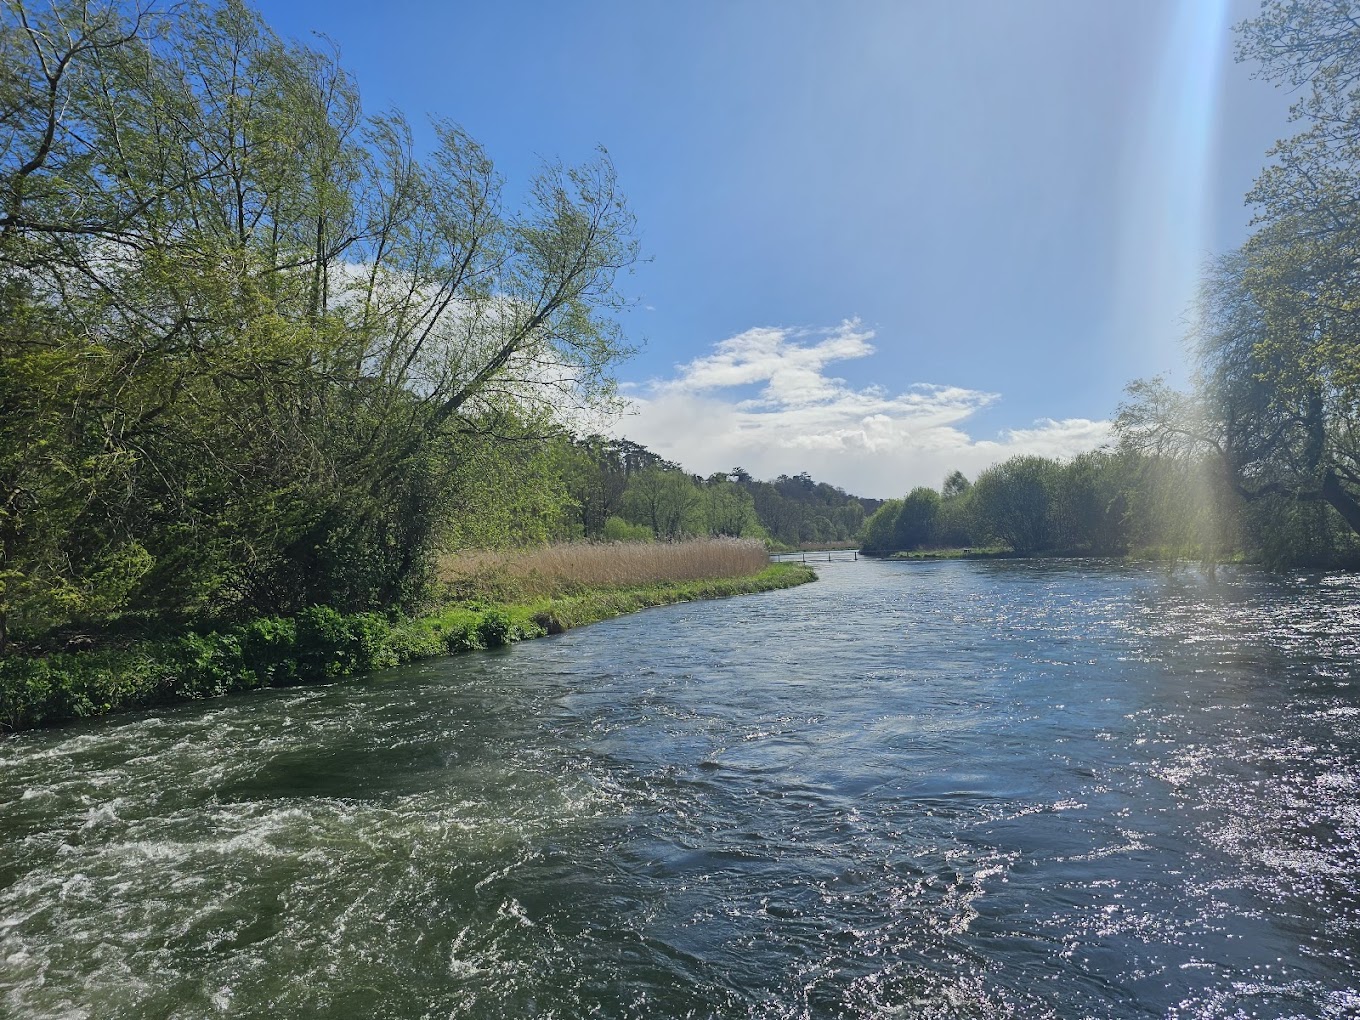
1119,502
1262,456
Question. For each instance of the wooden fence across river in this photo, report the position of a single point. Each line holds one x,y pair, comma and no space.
817,556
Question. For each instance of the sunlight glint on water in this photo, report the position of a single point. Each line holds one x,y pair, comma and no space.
938,790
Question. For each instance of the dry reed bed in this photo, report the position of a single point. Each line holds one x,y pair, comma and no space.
560,569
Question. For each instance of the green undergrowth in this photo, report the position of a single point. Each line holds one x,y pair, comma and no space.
316,646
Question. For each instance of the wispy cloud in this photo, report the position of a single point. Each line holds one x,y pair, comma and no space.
763,399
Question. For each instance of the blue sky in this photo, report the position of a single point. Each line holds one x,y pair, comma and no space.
886,239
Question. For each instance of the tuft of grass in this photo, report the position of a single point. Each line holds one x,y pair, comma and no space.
577,567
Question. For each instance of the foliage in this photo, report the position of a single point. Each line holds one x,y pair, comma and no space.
620,481
880,530
668,502
1012,502
917,519
256,353
495,629
318,645
729,510
954,524
1090,502
616,529
1275,413
795,509
596,471
1083,506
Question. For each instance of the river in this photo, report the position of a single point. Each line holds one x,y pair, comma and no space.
953,789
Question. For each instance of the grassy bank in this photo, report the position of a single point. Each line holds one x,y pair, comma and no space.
320,645
988,553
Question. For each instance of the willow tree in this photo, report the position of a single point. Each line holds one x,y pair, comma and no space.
1012,501
288,320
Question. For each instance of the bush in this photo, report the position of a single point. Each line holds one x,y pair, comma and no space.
616,529
269,651
77,685
371,640
496,629
325,643
207,665
415,639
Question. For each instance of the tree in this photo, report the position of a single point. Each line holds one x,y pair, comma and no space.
668,502
729,510
954,526
293,332
1090,504
1284,320
880,528
955,485
1012,502
1275,412
915,524
56,562
1276,409
596,470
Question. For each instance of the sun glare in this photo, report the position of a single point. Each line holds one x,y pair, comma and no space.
1166,230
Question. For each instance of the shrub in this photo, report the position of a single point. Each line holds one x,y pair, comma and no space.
269,650
76,685
371,642
495,629
616,529
416,639
208,665
325,643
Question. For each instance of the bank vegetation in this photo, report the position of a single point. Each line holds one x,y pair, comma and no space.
320,644
267,358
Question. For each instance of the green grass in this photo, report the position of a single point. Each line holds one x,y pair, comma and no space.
319,645
987,553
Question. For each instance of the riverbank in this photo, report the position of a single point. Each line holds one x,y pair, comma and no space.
1140,555
320,645
988,553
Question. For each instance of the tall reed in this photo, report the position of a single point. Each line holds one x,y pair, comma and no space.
570,567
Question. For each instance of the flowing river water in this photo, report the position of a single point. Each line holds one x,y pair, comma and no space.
955,789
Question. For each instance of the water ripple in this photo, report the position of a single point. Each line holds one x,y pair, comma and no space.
940,790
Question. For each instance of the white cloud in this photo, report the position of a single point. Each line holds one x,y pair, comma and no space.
869,440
